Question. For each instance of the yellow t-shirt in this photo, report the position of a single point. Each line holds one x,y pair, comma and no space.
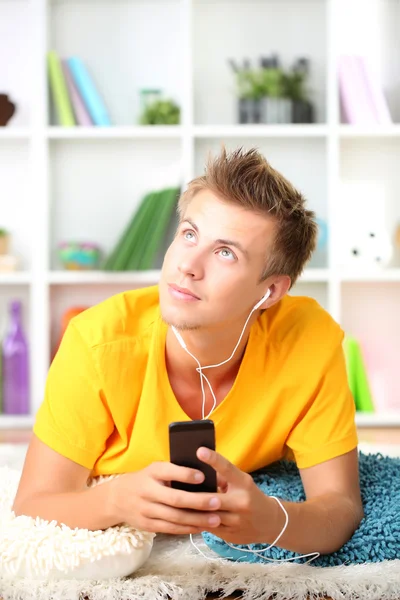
108,401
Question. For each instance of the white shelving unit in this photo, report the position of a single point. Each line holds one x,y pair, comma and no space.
84,183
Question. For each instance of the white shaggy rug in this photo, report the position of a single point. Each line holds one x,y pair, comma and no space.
176,571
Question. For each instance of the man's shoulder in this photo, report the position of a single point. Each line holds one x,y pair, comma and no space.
127,315
302,319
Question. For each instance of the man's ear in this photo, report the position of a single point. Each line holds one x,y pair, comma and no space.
279,287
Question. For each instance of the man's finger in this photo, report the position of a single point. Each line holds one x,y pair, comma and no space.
201,501
226,469
222,483
191,518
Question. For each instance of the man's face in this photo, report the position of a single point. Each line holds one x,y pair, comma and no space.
218,255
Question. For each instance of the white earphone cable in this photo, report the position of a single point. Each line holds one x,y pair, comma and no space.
199,369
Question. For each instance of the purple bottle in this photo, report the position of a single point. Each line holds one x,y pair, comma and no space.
15,365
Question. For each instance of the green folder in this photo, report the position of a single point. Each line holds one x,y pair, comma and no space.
59,91
357,375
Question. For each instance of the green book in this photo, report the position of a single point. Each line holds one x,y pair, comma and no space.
119,258
163,210
357,375
59,91
144,232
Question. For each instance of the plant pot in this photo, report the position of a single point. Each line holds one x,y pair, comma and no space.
4,244
249,110
276,110
302,112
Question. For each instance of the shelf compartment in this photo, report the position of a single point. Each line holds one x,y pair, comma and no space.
17,68
18,216
371,314
108,189
368,199
115,40
249,30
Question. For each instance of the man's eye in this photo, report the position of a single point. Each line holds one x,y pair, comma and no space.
188,233
226,253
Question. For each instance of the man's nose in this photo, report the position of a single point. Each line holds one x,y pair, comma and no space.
191,264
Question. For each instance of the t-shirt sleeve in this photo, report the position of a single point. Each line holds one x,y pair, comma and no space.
326,428
73,418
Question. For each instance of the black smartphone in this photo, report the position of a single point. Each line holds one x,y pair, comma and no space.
185,437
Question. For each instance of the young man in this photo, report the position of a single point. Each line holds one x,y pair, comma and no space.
121,376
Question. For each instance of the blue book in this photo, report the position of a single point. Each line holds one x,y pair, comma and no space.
89,93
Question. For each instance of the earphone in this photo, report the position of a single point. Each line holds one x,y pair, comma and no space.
199,369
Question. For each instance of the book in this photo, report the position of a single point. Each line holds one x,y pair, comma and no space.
357,375
145,234
356,104
89,93
153,235
82,116
376,96
59,92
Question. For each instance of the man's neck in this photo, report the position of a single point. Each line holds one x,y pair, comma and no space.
209,349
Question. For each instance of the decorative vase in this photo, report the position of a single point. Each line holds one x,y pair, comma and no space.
302,112
15,363
276,110
249,110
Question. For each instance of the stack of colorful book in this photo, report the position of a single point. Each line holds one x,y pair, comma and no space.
362,99
145,235
74,93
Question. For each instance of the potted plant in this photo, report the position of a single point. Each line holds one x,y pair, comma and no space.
295,89
4,241
275,107
161,112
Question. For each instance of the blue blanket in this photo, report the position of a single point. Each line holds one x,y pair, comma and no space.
378,535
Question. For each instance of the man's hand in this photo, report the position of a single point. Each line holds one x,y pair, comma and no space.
145,501
245,510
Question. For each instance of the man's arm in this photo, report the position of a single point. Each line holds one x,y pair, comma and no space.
323,523
53,487
331,513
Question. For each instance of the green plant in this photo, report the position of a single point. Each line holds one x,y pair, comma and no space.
294,85
161,112
3,232
258,83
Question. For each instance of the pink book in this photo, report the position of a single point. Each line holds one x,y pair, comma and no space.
375,91
78,105
357,108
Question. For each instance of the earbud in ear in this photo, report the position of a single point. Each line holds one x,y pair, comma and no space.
263,299
179,337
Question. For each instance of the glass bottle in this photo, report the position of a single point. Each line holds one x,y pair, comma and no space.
15,365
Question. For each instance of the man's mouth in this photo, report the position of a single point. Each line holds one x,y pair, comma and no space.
181,293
